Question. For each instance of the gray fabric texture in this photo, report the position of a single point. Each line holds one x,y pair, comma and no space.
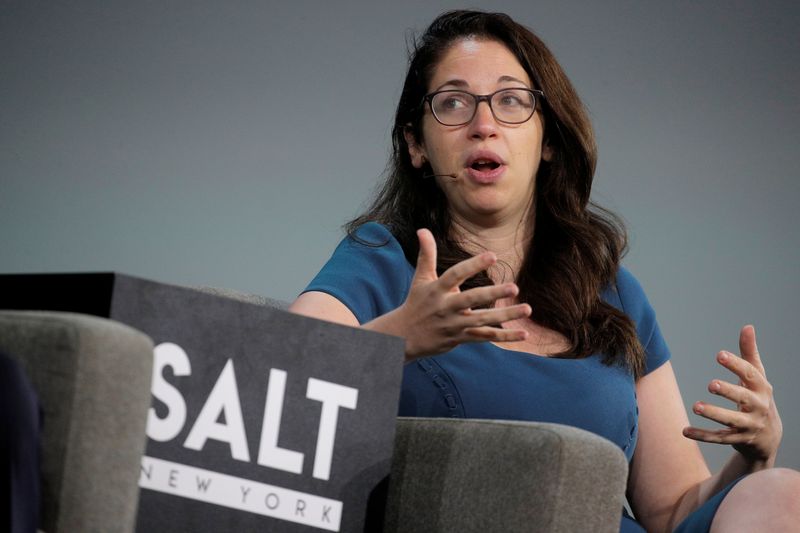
92,376
244,297
489,475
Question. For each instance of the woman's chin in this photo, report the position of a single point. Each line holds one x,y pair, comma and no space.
487,213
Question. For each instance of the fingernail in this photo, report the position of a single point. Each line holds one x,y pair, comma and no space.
715,386
698,408
722,357
511,290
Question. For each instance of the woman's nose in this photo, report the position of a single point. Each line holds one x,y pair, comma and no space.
483,124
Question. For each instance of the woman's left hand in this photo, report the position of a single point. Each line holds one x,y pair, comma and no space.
754,429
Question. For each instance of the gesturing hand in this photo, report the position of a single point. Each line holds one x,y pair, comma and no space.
754,428
437,316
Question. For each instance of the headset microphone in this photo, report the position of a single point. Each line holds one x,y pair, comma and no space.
455,177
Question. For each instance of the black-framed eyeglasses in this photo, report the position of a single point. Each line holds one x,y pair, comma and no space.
452,107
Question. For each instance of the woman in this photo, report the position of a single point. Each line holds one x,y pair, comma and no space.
484,253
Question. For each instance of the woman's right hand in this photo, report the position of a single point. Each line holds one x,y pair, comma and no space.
437,316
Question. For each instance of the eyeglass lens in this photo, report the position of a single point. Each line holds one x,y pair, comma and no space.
453,108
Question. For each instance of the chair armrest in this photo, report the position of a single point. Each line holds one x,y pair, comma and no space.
494,475
92,376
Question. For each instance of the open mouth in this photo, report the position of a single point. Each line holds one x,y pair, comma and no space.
483,165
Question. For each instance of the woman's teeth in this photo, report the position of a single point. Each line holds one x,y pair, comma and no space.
484,165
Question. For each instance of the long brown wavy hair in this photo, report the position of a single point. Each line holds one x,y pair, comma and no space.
576,246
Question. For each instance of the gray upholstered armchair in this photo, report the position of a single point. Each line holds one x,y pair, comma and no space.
90,374
447,474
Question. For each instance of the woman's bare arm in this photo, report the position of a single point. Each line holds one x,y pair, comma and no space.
669,478
666,465
325,307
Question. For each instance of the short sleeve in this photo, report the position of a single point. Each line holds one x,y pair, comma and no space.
637,307
369,273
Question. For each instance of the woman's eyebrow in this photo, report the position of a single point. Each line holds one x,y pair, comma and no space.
511,78
456,82
463,84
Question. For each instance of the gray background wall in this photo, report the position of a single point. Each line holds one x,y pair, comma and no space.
224,143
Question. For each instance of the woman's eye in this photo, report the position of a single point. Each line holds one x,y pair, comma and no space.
453,102
511,100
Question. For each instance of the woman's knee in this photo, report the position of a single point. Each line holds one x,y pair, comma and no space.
776,483
769,498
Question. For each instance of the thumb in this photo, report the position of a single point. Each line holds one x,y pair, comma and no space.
426,260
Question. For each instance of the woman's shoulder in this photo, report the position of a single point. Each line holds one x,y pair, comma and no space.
628,284
372,234
373,240
625,292
629,297
632,296
368,272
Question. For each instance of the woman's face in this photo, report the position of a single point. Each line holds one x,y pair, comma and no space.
495,163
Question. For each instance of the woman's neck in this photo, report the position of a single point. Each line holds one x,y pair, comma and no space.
509,241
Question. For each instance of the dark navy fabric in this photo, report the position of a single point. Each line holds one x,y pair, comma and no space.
700,520
20,420
371,276
696,522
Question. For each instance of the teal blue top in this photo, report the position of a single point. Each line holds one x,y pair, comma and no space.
482,380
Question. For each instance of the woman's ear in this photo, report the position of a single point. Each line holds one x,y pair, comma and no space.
415,150
547,151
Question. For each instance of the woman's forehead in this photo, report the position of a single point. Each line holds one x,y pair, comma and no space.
473,63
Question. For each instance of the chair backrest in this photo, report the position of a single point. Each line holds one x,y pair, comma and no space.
92,377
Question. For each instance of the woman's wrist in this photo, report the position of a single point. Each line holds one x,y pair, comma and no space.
393,323
754,465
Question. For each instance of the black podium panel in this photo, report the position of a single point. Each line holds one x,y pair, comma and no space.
261,419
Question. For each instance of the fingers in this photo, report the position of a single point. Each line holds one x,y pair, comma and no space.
744,398
460,272
717,436
749,349
498,315
426,260
750,376
488,333
726,417
455,275
753,428
481,296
